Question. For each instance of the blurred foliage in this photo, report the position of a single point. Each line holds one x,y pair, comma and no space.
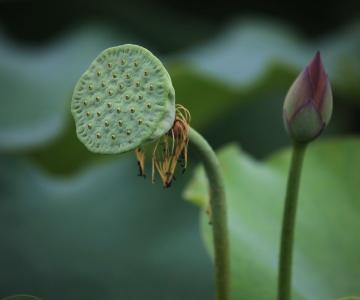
101,234
326,248
97,231
213,78
21,297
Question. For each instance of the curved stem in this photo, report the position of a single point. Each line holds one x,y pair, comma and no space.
288,225
219,217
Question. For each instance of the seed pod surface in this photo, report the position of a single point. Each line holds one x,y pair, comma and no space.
124,99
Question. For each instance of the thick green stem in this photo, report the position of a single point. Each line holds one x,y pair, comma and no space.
218,216
288,225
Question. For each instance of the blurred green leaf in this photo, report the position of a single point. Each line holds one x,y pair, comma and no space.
21,297
248,59
350,298
99,234
247,48
36,84
327,244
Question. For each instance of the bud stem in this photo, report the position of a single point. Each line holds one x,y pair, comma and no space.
219,216
288,225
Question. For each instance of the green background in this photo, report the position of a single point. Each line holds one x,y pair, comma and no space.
75,225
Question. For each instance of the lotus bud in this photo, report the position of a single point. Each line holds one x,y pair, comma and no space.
308,103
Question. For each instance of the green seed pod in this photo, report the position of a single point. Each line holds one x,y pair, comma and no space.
124,99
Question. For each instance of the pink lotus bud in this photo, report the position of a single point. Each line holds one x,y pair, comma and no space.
308,103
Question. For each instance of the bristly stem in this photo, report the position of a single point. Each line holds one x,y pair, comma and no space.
218,214
288,225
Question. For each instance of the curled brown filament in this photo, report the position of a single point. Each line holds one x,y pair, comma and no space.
169,150
140,156
172,148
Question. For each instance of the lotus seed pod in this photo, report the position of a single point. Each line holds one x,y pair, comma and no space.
124,99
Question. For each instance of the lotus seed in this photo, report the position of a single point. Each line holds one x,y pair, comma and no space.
118,110
136,64
109,66
114,76
103,84
137,84
127,97
85,102
121,86
98,135
120,123
89,126
146,73
98,114
113,137
128,132
90,87
97,98
110,92
140,121
123,62
149,105
109,105
88,114
140,97
98,73
151,87
132,110
127,76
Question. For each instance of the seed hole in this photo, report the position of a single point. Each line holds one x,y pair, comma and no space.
148,105
146,73
109,105
88,114
98,114
140,121
113,137
98,135
137,84
127,97
97,98
120,123
98,73
118,110
128,132
85,102
89,126
109,65
110,92
132,110
106,123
